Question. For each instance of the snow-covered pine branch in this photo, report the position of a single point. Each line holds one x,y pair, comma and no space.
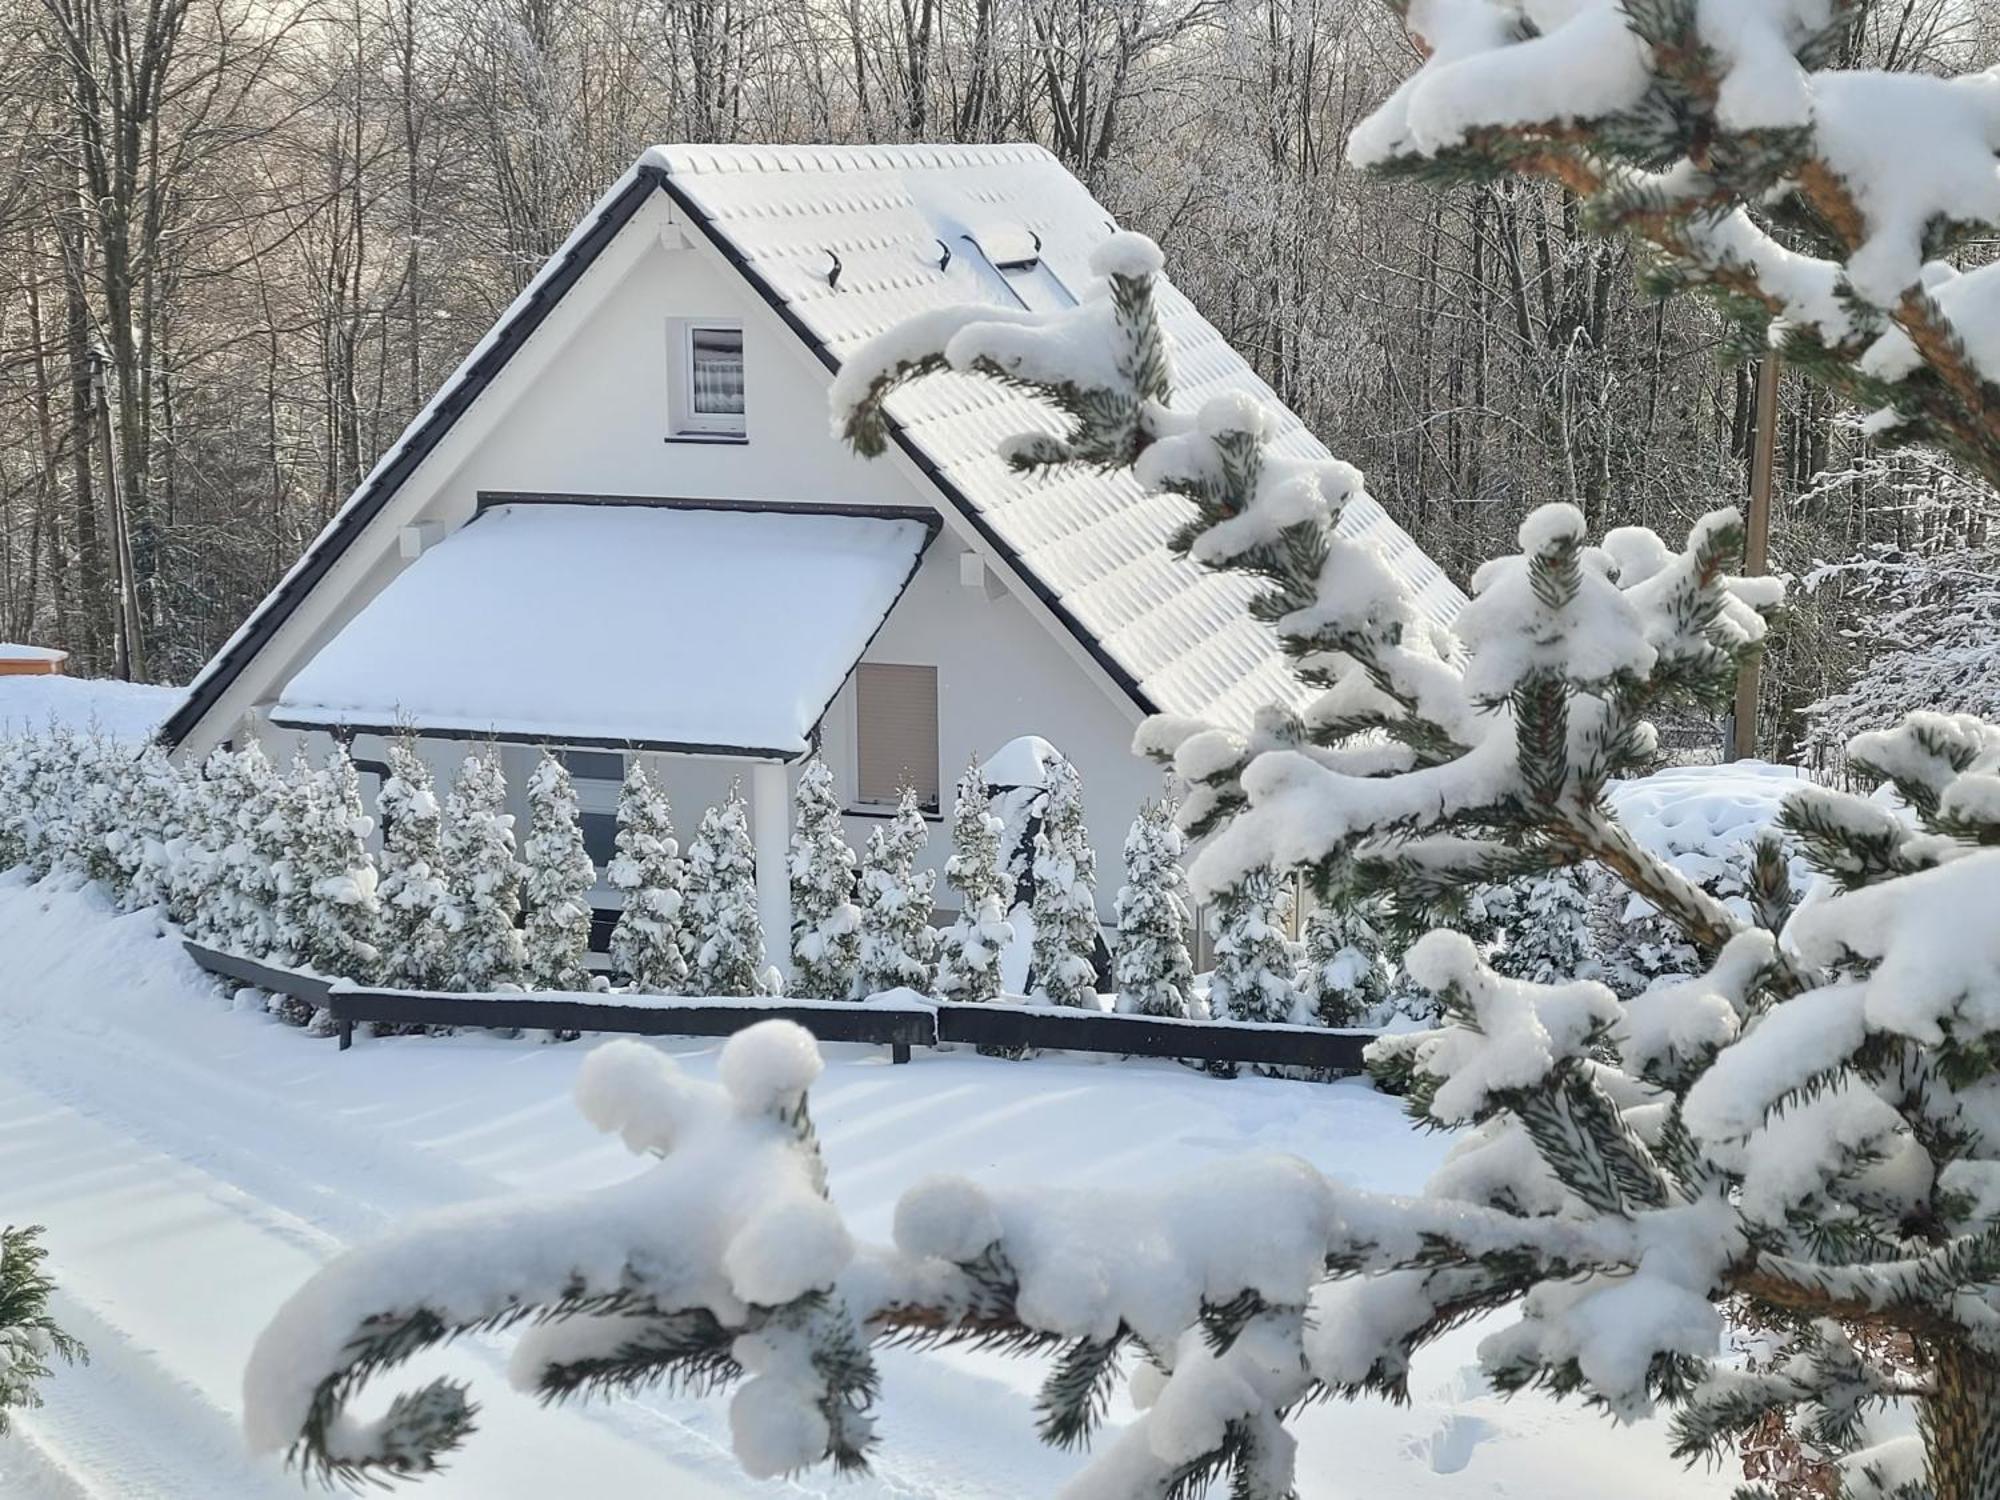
971,949
416,902
722,892
647,944
483,877
826,923
1814,206
1154,970
898,943
1064,906
556,877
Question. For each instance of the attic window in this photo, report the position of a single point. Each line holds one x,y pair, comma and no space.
708,380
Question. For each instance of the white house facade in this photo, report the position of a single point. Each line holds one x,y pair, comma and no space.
624,526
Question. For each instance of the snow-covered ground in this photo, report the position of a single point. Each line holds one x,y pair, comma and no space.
122,710
193,1162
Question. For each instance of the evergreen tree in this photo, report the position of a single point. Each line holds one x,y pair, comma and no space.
29,1334
237,849
898,943
556,877
483,878
1064,907
722,865
648,870
330,886
971,950
1154,969
1546,923
195,858
1254,962
416,901
826,923
1345,981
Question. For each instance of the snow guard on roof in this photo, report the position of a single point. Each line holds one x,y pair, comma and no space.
691,627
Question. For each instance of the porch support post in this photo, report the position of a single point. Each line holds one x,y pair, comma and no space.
770,818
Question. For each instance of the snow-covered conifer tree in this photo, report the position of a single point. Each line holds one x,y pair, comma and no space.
1154,968
330,889
556,877
150,821
649,872
1255,977
416,902
722,868
826,923
1547,929
253,799
1795,1130
970,950
1345,980
1064,907
483,878
898,943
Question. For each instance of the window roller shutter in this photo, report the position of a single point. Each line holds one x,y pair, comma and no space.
897,714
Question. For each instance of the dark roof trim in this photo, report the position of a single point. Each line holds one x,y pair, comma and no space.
570,741
413,450
928,519
971,513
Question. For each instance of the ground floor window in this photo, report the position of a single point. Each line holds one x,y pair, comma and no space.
896,733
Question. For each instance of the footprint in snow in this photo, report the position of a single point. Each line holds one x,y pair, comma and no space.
1450,1448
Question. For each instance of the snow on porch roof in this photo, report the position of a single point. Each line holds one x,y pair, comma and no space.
700,627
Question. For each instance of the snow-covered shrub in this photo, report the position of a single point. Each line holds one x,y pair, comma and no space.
647,870
826,924
898,943
722,889
29,1334
971,949
483,878
1255,975
416,902
1804,1130
331,915
1064,906
1154,970
1346,974
556,877
156,810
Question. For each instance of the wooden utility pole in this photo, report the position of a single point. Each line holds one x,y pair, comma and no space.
1757,544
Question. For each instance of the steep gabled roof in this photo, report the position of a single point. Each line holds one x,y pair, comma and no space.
845,242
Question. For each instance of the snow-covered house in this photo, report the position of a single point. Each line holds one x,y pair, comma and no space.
623,525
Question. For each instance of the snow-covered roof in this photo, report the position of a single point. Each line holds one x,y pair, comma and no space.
14,651
1091,546
686,626
1094,543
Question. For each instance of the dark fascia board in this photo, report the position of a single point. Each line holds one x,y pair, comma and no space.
957,498
497,736
355,516
417,446
928,519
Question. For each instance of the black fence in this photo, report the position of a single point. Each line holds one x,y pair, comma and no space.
999,1028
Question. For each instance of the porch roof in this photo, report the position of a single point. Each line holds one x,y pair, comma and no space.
705,627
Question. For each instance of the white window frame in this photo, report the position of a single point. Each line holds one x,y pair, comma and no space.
686,421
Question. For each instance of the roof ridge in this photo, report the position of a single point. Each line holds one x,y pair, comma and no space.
746,157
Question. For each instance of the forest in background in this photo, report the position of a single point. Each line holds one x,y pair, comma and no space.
241,241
